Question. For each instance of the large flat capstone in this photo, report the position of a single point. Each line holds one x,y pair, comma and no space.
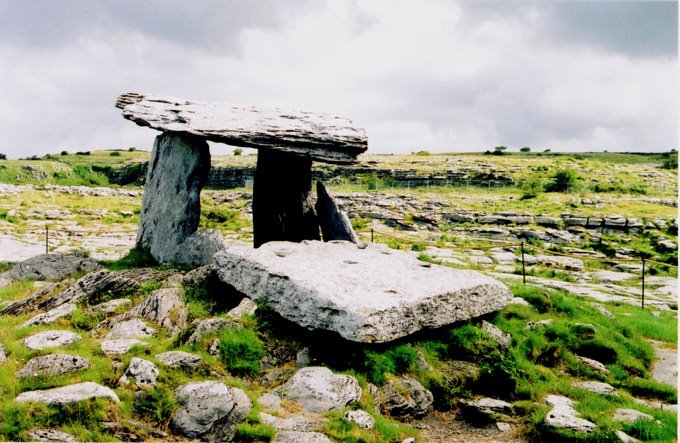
365,293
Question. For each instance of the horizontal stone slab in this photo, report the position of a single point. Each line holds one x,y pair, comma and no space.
365,293
322,137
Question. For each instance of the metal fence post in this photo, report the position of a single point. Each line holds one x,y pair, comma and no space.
372,235
643,283
524,274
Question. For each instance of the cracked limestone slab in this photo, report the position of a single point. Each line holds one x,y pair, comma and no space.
366,293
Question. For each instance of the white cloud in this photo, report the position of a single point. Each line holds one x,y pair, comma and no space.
416,76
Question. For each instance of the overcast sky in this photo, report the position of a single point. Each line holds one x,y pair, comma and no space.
440,75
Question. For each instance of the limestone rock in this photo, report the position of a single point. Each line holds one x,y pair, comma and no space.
198,248
564,417
625,438
48,435
295,423
322,137
405,397
180,360
300,437
270,401
487,407
246,307
362,418
51,316
52,365
209,410
335,224
142,372
171,205
597,387
108,306
51,267
502,338
593,364
51,339
164,307
318,390
630,415
68,394
3,353
558,400
611,276
134,328
120,346
372,294
208,326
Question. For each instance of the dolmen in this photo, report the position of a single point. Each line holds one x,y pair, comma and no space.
364,293
287,143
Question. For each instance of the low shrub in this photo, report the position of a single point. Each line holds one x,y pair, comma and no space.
241,351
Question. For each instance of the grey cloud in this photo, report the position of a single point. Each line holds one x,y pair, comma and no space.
212,25
636,28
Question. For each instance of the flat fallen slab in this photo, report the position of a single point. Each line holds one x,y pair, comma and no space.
323,137
365,293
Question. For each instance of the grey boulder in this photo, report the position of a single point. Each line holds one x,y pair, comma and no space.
405,397
209,410
142,372
52,365
367,293
180,360
120,346
51,316
318,390
164,307
51,339
47,435
134,328
68,394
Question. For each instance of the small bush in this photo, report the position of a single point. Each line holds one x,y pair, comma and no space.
241,351
115,154
3,156
156,404
238,151
564,180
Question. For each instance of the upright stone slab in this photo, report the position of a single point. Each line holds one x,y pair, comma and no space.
171,207
283,209
335,224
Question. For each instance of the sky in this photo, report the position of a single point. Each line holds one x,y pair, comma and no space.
441,75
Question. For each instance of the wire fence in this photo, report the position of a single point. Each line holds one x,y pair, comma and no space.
522,248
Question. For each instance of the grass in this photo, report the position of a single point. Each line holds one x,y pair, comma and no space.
240,351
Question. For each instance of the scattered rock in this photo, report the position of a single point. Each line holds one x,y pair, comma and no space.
612,277
209,410
3,353
504,427
208,326
120,346
362,418
270,401
534,324
373,294
68,394
405,397
565,417
51,339
108,306
246,307
558,400
134,328
51,267
51,316
597,387
52,365
630,415
296,423
593,364
300,437
48,435
502,338
487,407
625,438
519,301
318,390
180,360
164,307
142,372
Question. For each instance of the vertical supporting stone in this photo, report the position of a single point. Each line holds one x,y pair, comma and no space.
283,208
335,224
171,206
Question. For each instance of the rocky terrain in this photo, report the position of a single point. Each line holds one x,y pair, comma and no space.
103,344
